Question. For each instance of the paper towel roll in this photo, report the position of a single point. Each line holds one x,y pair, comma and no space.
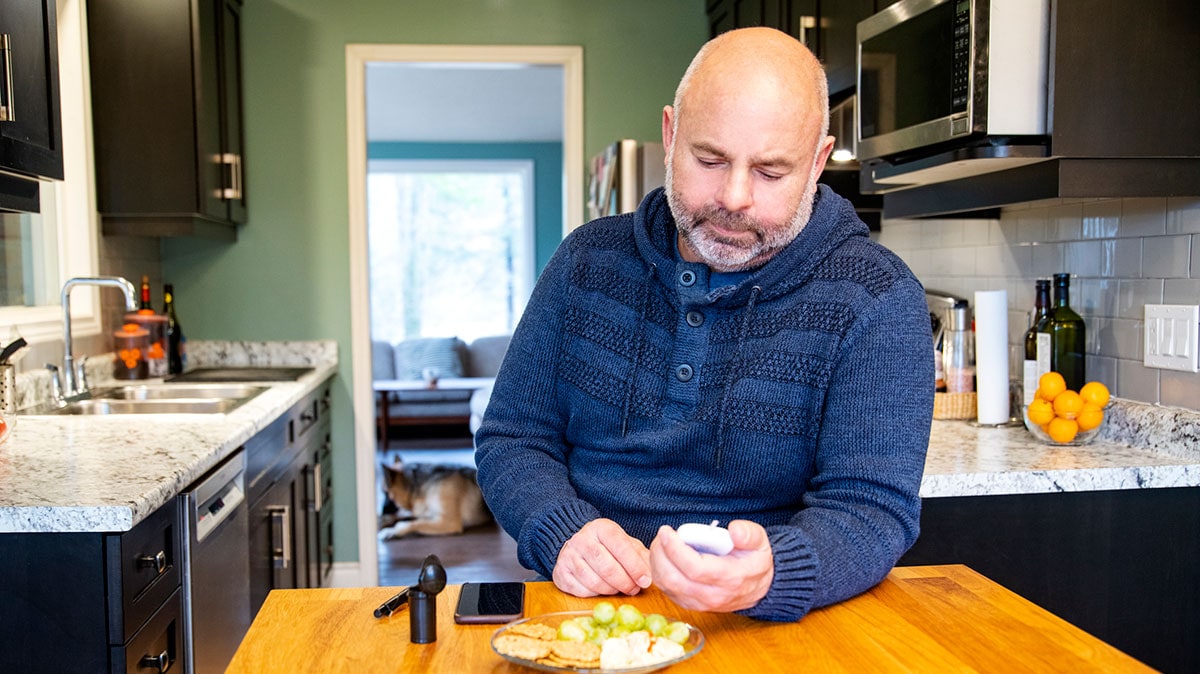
991,355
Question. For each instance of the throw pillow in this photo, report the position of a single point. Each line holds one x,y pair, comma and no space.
442,353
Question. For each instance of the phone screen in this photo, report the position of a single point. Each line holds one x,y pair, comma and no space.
490,603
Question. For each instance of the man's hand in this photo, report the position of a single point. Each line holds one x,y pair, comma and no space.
724,584
602,559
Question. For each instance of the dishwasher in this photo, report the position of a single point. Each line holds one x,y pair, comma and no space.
216,569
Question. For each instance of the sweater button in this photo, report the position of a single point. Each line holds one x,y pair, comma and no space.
687,278
683,373
695,319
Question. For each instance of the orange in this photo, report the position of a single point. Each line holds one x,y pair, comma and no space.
1062,430
1067,404
1089,417
1050,385
1096,393
1040,412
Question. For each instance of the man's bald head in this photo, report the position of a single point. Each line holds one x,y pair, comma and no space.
740,62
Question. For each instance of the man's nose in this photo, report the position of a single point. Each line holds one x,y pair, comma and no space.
737,194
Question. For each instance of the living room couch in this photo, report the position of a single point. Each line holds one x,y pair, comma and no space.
404,395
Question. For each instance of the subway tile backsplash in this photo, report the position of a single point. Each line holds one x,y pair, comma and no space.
1121,253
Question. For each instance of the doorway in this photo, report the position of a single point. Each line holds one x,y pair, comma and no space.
358,58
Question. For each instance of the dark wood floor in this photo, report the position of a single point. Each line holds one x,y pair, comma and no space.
481,554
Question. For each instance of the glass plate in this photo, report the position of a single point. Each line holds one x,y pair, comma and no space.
692,646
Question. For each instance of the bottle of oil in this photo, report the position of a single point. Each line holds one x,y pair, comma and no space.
176,342
1067,336
1037,342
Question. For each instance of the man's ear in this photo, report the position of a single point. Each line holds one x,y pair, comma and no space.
668,129
823,154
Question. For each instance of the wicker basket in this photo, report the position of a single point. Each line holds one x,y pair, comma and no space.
954,405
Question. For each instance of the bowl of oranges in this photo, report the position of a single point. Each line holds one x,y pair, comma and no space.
1060,416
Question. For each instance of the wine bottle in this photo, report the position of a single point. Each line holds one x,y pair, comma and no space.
144,306
1067,336
1037,342
176,342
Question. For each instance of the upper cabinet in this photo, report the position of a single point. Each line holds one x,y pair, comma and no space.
30,114
167,115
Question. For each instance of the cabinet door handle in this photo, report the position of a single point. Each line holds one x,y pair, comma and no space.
234,162
8,109
316,487
281,536
157,561
159,663
804,25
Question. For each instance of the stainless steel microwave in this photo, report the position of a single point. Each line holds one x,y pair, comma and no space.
932,72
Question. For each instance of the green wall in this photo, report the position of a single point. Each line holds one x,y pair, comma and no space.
287,277
547,179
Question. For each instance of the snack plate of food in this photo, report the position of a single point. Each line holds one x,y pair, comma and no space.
559,642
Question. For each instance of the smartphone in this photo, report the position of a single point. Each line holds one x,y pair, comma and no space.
490,603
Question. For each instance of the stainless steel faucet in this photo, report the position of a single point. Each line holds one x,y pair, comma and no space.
74,382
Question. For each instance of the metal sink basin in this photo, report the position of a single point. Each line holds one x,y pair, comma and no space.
177,391
159,406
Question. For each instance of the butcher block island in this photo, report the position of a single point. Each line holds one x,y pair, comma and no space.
147,542
920,619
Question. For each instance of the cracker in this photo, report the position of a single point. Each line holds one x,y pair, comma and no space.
576,653
533,630
520,646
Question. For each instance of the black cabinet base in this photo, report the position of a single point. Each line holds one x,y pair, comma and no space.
1122,565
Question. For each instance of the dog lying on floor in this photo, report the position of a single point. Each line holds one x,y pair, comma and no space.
432,500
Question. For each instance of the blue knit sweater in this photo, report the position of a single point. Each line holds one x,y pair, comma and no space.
799,398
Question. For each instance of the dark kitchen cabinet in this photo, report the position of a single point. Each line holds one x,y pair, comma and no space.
289,480
30,113
94,602
167,115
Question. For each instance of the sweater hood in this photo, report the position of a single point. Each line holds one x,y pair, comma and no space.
833,221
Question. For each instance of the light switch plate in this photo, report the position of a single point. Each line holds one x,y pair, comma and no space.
1172,332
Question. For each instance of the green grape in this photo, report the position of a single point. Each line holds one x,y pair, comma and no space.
656,623
570,630
604,612
599,635
678,632
630,617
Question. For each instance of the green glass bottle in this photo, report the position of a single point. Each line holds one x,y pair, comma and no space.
1067,336
1037,342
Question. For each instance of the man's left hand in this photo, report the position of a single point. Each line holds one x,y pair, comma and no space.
722,584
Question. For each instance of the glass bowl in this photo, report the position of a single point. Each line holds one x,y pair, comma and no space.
1081,438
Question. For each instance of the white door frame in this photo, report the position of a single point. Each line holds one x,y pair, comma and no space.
357,57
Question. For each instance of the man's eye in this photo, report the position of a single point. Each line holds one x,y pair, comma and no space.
769,177
709,163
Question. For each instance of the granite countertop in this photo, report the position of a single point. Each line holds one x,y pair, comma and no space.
1141,446
107,473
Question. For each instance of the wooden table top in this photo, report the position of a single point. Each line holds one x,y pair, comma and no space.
919,619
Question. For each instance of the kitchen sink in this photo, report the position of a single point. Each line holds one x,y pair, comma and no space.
158,406
240,374
159,399
174,391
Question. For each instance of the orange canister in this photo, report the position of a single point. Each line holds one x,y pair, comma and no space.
130,345
156,352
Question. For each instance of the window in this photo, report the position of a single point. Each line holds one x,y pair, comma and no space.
450,247
46,249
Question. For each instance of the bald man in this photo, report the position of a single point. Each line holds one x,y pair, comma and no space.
738,350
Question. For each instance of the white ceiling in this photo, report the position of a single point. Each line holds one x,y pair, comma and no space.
464,102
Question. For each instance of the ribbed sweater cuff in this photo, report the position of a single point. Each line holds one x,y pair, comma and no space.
794,586
541,542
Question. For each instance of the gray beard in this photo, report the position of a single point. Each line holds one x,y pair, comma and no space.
723,255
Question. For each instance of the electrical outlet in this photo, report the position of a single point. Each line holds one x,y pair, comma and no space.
1171,339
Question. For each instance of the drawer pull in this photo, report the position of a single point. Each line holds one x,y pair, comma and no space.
157,561
316,488
159,663
281,537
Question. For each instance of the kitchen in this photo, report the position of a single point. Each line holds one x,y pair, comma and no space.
294,76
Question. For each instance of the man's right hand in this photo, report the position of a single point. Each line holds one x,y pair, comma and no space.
601,559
